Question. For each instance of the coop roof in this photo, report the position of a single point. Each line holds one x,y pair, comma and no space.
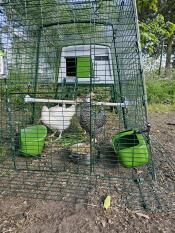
72,21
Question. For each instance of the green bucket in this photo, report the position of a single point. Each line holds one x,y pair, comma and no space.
32,140
131,148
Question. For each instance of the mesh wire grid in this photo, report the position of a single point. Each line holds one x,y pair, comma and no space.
142,193
60,51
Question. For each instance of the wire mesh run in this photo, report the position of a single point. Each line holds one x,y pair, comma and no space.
141,194
73,98
73,123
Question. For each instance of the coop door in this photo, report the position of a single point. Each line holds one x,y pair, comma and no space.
71,66
83,67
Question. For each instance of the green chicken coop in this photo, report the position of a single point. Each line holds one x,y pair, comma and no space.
57,53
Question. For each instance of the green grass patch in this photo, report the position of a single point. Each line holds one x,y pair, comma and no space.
161,107
160,91
68,140
73,135
161,95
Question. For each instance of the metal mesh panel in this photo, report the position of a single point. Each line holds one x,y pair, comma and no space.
39,39
73,99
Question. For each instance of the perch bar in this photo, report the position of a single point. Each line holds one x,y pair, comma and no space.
29,99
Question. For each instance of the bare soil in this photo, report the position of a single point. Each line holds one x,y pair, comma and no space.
22,215
163,128
19,215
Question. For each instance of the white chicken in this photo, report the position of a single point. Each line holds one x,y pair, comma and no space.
57,118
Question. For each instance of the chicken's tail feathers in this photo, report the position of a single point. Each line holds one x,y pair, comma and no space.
45,109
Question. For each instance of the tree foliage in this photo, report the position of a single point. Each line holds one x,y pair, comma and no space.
157,24
146,7
153,31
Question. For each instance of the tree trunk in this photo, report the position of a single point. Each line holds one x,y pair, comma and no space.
168,56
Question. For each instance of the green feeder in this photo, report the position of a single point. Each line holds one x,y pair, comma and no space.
131,148
32,140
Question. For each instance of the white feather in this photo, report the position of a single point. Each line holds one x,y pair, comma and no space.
57,117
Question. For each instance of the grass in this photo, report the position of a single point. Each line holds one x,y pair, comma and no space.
68,140
161,107
161,91
69,137
161,95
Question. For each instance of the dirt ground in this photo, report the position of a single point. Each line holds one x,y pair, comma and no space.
163,128
20,215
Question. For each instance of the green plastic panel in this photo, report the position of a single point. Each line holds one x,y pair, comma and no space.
83,67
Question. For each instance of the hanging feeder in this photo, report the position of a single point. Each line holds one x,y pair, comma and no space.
131,148
32,140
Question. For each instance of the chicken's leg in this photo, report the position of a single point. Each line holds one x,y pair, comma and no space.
53,134
58,137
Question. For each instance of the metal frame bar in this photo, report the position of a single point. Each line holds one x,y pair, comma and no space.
73,22
36,72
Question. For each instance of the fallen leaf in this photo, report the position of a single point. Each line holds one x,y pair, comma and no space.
142,215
